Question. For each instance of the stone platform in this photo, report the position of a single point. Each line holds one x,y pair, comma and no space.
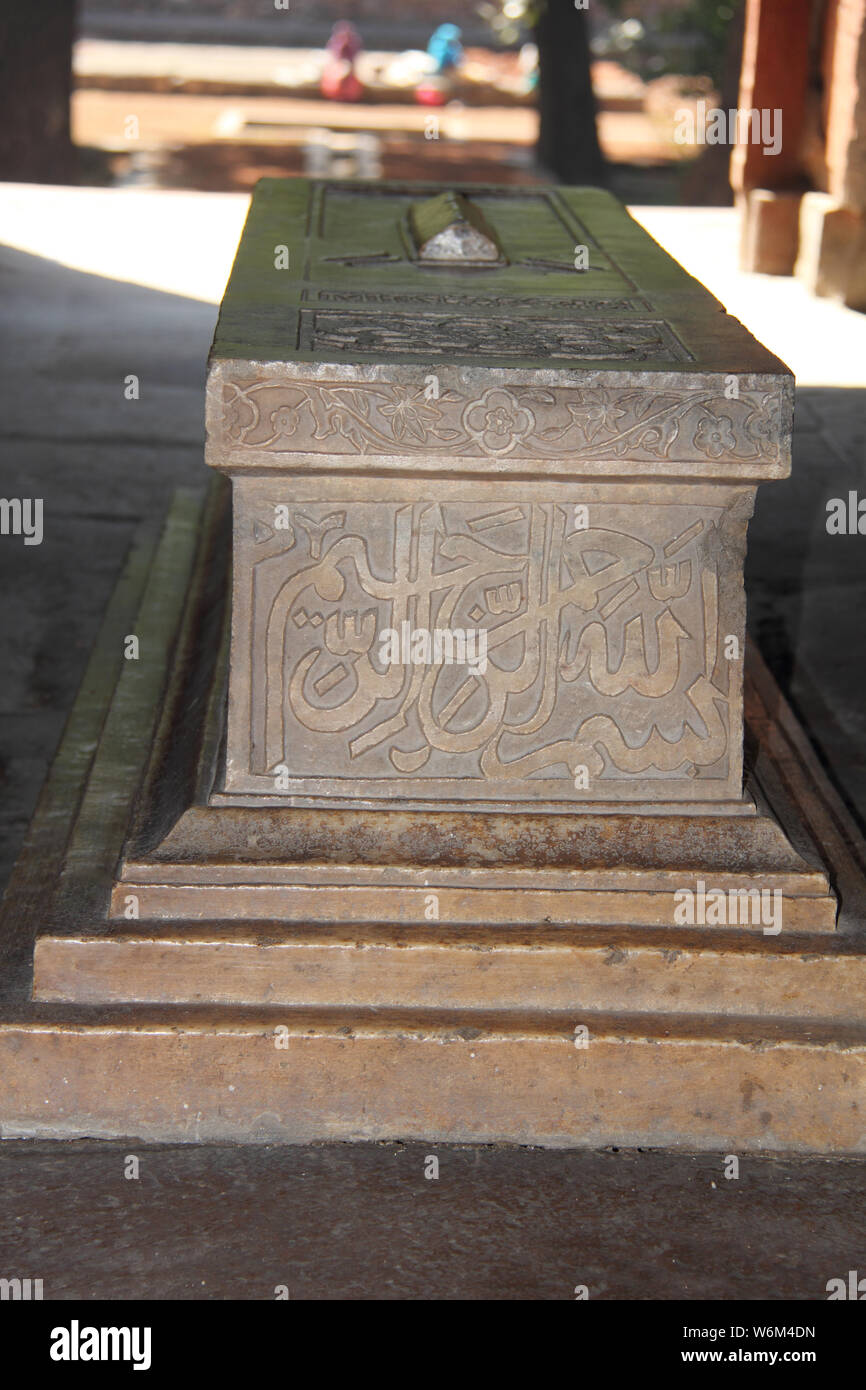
696,1037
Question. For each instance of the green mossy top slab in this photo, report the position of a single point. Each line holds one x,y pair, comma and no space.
331,273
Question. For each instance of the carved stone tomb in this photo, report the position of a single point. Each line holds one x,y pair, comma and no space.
438,756
552,467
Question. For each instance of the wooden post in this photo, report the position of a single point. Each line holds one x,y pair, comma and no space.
832,250
567,140
35,86
774,77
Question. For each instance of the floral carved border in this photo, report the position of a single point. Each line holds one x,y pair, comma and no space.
597,422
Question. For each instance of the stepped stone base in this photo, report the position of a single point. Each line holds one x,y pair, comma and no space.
286,978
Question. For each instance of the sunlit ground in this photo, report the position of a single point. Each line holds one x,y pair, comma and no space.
822,342
183,243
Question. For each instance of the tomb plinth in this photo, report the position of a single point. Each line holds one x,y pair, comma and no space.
436,763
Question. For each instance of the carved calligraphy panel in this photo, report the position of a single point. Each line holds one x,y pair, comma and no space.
505,646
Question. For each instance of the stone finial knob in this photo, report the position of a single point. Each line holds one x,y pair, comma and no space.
449,228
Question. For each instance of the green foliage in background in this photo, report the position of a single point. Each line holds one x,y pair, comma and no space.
687,37
511,20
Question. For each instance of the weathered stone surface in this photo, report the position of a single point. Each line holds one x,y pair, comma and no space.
429,966
468,1077
602,648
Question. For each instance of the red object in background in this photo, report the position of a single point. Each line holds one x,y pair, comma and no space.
431,93
339,82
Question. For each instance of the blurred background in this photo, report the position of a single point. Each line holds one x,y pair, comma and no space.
212,95
225,91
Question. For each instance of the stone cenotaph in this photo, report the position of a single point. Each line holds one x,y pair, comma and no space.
428,810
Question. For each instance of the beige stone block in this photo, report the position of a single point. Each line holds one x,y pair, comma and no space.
770,230
831,245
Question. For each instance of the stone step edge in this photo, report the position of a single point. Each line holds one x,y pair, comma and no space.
467,906
273,932
652,1028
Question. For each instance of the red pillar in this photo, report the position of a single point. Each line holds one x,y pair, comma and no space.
777,47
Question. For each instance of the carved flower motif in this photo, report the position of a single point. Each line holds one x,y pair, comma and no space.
240,415
497,421
601,412
284,420
411,416
715,436
763,426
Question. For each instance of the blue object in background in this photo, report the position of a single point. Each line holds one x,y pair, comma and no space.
445,47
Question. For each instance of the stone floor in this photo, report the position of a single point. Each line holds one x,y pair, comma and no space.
343,1221
95,285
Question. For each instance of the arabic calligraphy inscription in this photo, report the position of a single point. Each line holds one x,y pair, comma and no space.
490,648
